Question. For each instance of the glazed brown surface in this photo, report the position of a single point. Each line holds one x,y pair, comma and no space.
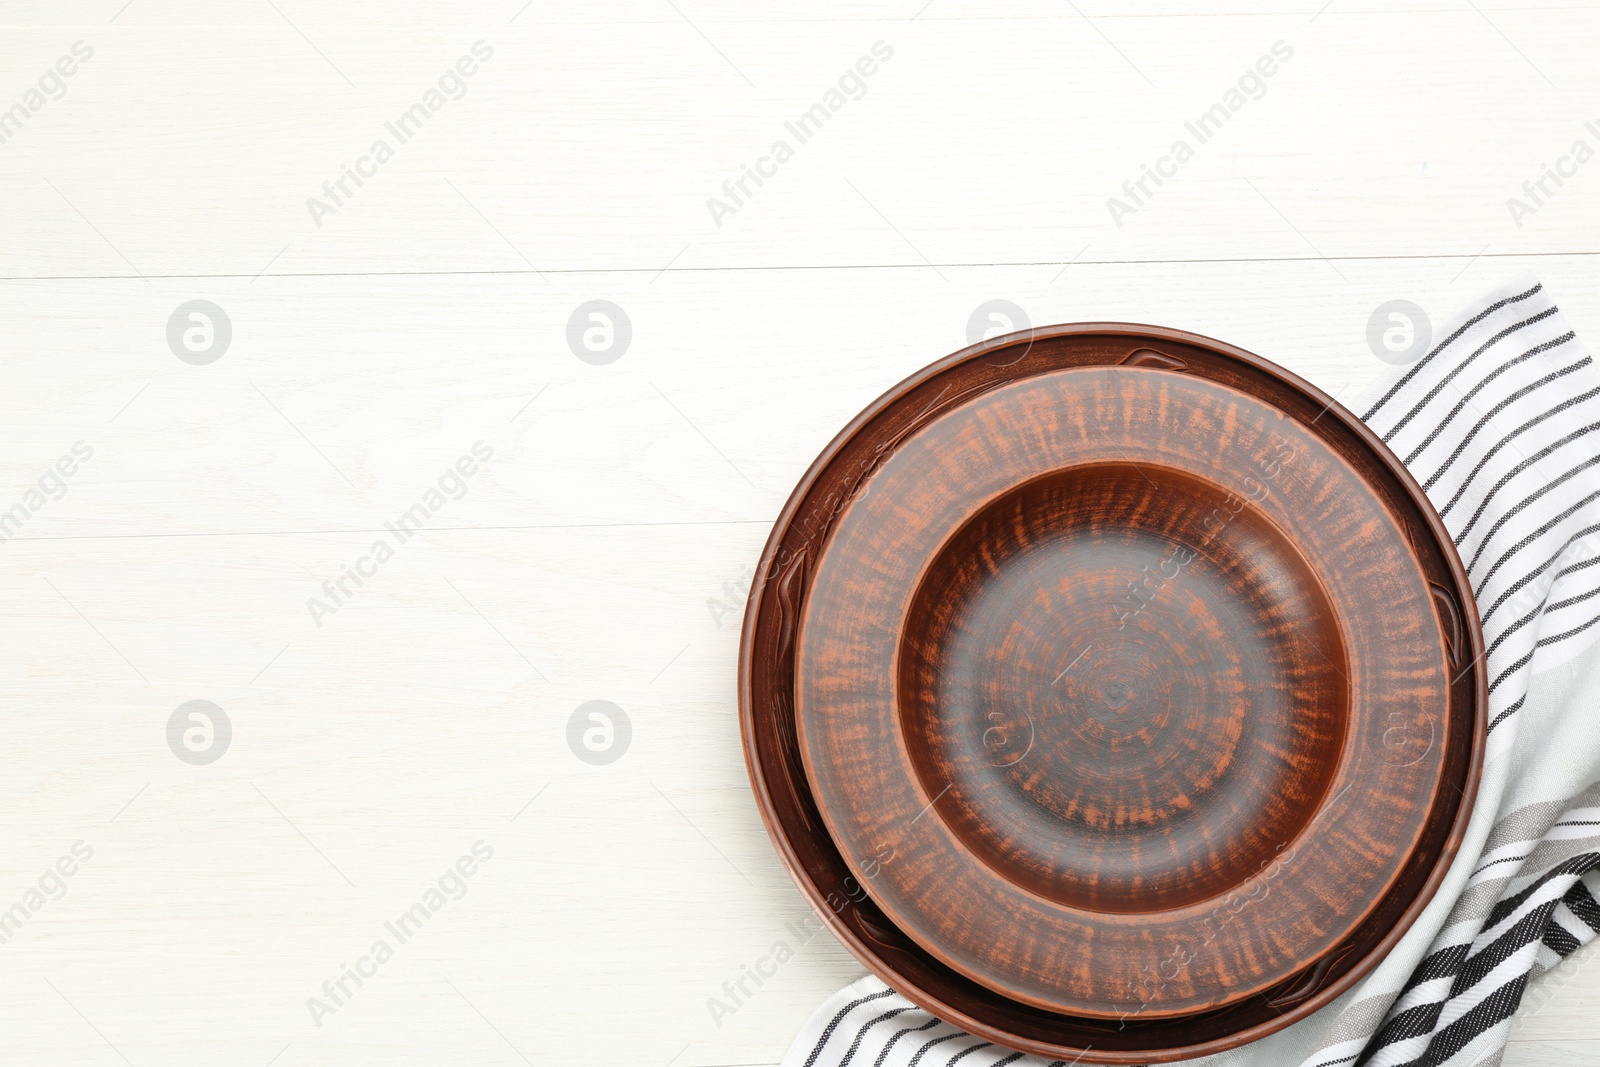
1117,751
1133,684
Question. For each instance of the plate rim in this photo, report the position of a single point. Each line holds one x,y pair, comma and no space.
868,956
839,827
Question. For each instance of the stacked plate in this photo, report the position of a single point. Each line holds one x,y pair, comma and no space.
1113,693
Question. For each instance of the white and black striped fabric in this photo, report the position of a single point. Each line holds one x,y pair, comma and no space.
1500,424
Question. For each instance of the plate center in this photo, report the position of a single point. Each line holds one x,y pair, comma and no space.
1129,685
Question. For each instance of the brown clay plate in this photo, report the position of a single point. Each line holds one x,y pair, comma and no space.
1112,690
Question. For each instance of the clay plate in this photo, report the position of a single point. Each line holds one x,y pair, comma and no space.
1113,693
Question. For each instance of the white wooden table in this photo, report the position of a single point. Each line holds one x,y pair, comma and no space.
600,553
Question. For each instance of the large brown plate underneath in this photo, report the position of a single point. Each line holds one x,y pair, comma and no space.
1136,693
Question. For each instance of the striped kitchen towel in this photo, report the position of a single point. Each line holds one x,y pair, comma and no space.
1500,424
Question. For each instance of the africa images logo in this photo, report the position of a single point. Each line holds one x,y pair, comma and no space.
1252,85
451,85
850,85
452,485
